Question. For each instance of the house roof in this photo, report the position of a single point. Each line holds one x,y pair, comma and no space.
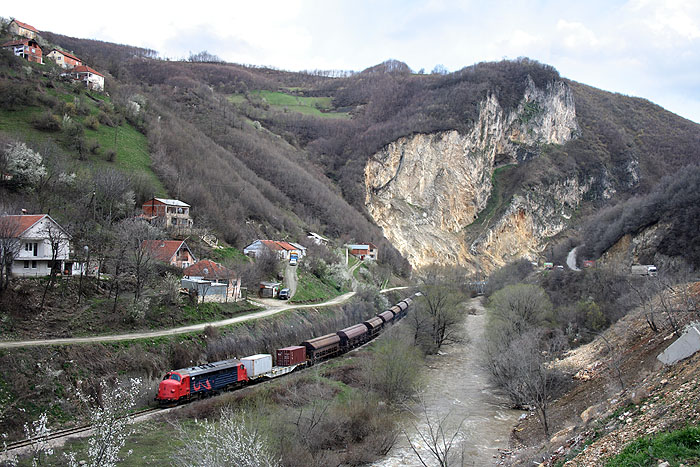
164,250
27,221
208,269
169,202
20,42
85,69
63,52
272,245
24,222
26,26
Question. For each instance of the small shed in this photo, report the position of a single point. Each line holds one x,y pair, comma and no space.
269,289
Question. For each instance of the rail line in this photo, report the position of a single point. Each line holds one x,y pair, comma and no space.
68,432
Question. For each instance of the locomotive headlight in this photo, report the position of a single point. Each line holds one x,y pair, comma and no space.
172,390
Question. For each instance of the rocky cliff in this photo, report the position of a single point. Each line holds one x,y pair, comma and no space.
423,190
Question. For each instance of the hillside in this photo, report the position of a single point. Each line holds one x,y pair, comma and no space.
263,152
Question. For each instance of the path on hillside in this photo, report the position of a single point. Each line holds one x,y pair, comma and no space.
271,310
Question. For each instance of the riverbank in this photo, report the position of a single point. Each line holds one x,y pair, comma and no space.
458,389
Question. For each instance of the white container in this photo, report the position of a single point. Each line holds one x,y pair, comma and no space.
257,365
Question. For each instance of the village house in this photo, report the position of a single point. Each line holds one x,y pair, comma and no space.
64,59
170,213
317,239
173,252
92,79
363,251
212,281
38,236
283,250
18,28
26,48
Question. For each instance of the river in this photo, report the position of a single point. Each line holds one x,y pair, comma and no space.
459,389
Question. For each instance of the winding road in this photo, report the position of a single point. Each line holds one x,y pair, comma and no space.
269,311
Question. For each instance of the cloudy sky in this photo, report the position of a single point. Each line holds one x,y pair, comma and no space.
645,48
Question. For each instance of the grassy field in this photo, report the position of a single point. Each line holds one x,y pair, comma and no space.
677,447
231,254
314,106
311,289
130,144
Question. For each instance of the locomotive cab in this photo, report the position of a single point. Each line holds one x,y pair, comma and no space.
172,387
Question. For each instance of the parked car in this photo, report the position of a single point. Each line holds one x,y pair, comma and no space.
284,294
293,261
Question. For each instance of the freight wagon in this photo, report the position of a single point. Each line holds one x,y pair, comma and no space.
352,337
322,347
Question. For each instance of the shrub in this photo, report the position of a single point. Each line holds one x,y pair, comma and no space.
111,155
47,122
92,122
105,119
93,146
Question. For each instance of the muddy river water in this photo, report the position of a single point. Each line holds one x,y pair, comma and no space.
458,389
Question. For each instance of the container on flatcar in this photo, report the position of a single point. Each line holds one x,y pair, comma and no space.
322,347
353,336
257,365
292,355
386,316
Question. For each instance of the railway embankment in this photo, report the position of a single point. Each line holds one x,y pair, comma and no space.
45,378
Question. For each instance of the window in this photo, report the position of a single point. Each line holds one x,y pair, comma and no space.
175,376
32,247
33,264
26,265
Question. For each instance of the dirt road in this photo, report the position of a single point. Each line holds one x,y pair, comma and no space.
181,330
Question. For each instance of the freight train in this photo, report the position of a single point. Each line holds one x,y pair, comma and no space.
194,382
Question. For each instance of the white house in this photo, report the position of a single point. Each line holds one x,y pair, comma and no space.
38,235
92,79
283,250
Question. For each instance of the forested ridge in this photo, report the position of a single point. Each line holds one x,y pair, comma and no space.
251,166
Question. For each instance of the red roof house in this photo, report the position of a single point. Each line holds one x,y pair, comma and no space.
19,28
173,252
64,59
93,79
25,48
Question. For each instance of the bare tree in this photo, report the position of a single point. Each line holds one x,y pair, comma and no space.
436,435
57,240
394,367
9,247
135,251
439,323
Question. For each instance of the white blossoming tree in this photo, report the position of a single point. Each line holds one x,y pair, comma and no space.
111,423
230,441
24,165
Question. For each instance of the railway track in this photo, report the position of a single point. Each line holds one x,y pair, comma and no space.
56,435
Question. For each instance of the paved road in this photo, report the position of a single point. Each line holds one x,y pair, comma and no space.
290,277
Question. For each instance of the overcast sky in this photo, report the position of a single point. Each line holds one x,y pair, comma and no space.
645,48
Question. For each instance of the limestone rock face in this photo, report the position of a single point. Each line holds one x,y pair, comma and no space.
424,189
